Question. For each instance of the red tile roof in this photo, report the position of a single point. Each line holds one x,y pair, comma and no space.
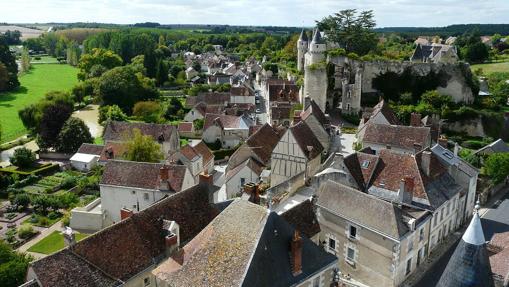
284,93
263,142
397,136
185,127
113,150
122,131
204,151
499,261
209,98
224,121
90,149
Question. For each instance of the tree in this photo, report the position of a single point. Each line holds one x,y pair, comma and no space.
198,124
123,87
436,100
73,134
9,61
143,148
173,109
111,113
352,31
22,199
98,57
148,111
497,166
53,117
25,60
13,266
23,157
476,53
73,53
4,77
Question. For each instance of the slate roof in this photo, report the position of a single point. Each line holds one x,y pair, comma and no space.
469,265
306,140
303,36
90,149
361,166
141,175
303,218
397,136
317,38
128,247
243,246
120,131
375,213
496,146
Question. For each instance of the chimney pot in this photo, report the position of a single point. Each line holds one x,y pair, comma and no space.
296,253
442,140
426,162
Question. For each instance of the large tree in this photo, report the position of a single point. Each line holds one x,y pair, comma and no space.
98,59
8,60
497,166
13,266
53,118
351,30
23,157
73,134
143,148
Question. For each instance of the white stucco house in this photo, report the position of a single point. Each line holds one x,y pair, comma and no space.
196,156
229,130
86,157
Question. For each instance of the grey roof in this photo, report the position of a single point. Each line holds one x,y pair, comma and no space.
496,146
242,246
448,158
317,38
361,208
303,36
469,265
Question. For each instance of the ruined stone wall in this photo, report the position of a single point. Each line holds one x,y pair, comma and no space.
472,127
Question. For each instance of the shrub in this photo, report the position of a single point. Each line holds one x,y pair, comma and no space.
148,111
23,157
43,221
22,200
66,219
497,166
53,215
69,182
25,231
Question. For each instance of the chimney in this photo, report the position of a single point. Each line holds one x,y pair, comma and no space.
171,233
206,181
406,188
425,162
125,213
163,178
456,148
69,237
415,120
442,140
249,188
296,253
417,147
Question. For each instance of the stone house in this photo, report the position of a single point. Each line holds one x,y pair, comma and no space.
280,115
381,114
166,135
249,247
134,186
298,151
228,130
401,139
314,117
378,243
191,73
435,53
186,129
125,253
242,95
196,157
199,111
250,159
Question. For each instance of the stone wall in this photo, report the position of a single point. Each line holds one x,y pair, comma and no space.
471,127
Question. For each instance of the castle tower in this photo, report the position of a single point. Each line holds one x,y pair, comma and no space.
302,48
315,73
469,265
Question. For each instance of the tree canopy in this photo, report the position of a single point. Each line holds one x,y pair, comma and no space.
143,148
9,71
73,134
497,166
97,62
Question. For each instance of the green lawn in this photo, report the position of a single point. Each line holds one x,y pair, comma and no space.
34,85
44,59
53,243
492,67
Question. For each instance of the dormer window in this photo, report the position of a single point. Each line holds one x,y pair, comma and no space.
365,164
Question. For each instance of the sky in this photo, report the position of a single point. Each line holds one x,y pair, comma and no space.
388,13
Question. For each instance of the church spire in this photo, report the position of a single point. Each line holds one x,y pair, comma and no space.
469,265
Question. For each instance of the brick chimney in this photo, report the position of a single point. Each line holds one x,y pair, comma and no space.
171,233
163,178
426,162
415,120
253,190
69,237
125,213
406,188
206,181
296,253
442,140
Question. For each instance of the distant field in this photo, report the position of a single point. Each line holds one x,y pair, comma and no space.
26,33
492,67
34,85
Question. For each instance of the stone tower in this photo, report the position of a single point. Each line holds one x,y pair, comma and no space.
302,48
315,73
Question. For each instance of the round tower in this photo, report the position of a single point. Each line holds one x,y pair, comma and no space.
302,48
315,74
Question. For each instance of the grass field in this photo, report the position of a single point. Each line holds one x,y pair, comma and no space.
34,85
53,243
492,67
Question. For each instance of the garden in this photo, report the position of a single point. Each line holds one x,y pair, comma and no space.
53,243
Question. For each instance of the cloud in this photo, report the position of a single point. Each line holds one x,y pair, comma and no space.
252,12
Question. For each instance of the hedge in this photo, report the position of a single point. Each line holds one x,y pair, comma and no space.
43,170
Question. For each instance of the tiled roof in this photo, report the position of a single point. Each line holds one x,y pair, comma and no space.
306,140
387,112
243,246
314,109
141,175
500,260
202,149
129,247
209,98
185,127
280,112
376,213
113,150
224,121
188,152
361,166
66,269
303,218
283,93
263,142
121,131
90,149
397,136
241,91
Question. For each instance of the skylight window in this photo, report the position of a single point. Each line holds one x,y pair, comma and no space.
365,164
447,154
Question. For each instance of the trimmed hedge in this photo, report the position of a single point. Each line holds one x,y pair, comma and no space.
43,170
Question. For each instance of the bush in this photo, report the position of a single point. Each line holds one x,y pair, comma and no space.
25,231
497,166
69,182
53,215
111,113
43,221
148,111
22,200
23,158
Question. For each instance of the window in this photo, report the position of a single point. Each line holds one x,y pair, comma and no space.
316,281
441,216
408,266
332,244
410,244
365,164
350,254
435,221
447,209
421,234
146,281
133,191
242,181
353,232
145,196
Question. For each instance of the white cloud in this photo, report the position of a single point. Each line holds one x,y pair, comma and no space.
252,12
